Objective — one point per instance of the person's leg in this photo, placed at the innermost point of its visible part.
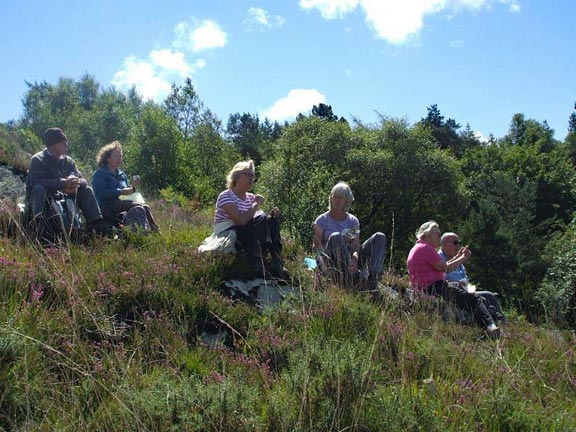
(277, 268)
(153, 225)
(37, 200)
(338, 252)
(372, 257)
(472, 302)
(86, 201)
(252, 238)
(493, 305)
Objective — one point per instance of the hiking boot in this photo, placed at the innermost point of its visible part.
(493, 331)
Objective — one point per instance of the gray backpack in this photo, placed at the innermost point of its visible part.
(136, 219)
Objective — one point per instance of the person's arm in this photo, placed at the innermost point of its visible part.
(75, 173)
(106, 187)
(242, 218)
(461, 257)
(38, 174)
(355, 248)
(318, 241)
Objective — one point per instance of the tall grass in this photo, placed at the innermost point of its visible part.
(108, 336)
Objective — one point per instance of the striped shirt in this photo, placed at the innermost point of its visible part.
(229, 197)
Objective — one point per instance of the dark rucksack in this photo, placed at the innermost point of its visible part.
(136, 219)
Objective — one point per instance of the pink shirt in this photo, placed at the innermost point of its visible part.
(420, 262)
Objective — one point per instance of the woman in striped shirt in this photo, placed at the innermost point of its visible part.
(257, 232)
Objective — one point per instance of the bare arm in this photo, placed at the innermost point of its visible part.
(318, 243)
(355, 247)
(461, 257)
(242, 218)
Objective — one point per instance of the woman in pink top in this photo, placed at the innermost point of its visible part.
(257, 232)
(428, 270)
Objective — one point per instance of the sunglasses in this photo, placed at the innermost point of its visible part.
(455, 242)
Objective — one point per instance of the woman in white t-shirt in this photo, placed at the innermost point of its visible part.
(257, 232)
(337, 242)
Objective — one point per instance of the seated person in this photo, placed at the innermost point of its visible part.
(450, 244)
(53, 175)
(428, 270)
(336, 240)
(110, 182)
(257, 232)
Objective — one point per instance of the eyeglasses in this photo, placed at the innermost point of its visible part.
(455, 242)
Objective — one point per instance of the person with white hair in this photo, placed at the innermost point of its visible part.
(337, 241)
(256, 231)
(428, 270)
(450, 244)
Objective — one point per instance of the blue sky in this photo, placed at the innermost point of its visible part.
(480, 61)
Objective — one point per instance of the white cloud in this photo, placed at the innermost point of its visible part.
(171, 61)
(330, 9)
(199, 35)
(144, 76)
(298, 101)
(154, 75)
(260, 19)
(480, 137)
(397, 21)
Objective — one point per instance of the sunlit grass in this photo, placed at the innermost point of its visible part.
(108, 336)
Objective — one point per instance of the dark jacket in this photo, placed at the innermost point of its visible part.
(108, 186)
(49, 172)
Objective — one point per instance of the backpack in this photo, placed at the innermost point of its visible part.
(136, 219)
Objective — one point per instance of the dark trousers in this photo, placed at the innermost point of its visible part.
(261, 234)
(119, 206)
(458, 296)
(84, 200)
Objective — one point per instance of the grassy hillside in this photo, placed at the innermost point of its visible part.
(109, 337)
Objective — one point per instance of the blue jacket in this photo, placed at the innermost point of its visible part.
(108, 186)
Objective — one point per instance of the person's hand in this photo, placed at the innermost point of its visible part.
(467, 252)
(127, 191)
(275, 212)
(259, 199)
(71, 184)
(353, 266)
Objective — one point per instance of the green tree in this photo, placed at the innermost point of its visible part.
(309, 158)
(90, 116)
(153, 148)
(184, 105)
(400, 181)
(445, 132)
(247, 135)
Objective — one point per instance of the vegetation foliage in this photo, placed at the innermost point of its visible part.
(110, 336)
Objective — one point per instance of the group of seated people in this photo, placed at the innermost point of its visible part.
(53, 175)
(340, 254)
(442, 274)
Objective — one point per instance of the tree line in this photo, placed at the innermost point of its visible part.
(512, 199)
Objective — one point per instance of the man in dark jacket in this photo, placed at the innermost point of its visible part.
(53, 174)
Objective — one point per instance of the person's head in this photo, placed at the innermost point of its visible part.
(430, 233)
(55, 141)
(244, 168)
(341, 190)
(110, 154)
(450, 244)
